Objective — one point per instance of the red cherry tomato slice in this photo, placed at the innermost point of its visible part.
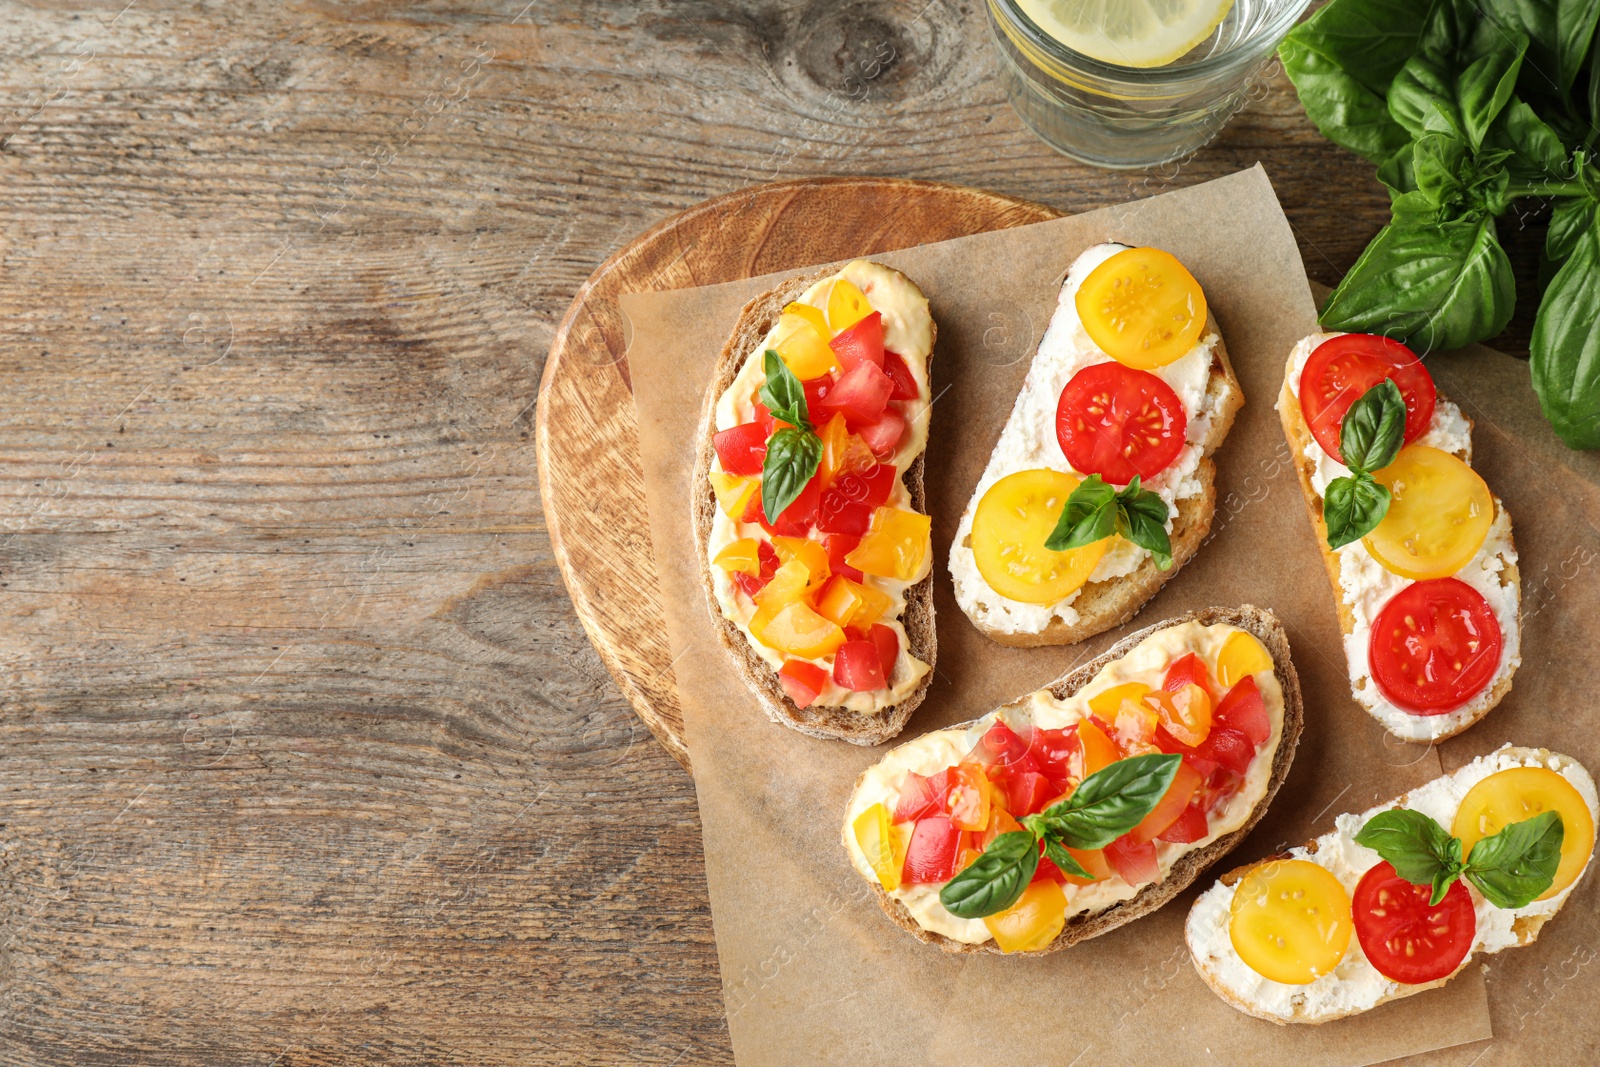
(860, 394)
(1189, 827)
(887, 642)
(863, 341)
(1434, 646)
(921, 797)
(1341, 369)
(754, 583)
(1116, 422)
(1187, 670)
(1405, 938)
(1136, 863)
(934, 852)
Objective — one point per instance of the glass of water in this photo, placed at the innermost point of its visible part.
(1112, 114)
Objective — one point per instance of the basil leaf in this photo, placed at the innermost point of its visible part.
(1142, 519)
(1559, 32)
(1437, 162)
(1352, 507)
(1348, 113)
(1572, 217)
(792, 458)
(1373, 428)
(1422, 100)
(1089, 516)
(782, 392)
(1371, 39)
(1485, 86)
(1514, 866)
(1063, 860)
(995, 879)
(1417, 847)
(1111, 801)
(1566, 344)
(1536, 151)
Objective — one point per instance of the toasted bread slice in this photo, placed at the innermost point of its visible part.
(1264, 625)
(859, 728)
(1524, 927)
(1303, 446)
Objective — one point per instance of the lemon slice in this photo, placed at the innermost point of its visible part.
(1128, 33)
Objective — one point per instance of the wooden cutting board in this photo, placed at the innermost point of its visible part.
(588, 449)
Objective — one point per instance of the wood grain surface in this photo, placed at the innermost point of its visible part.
(307, 759)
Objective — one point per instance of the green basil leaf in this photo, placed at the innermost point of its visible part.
(1373, 428)
(1572, 217)
(1559, 34)
(1484, 87)
(1423, 100)
(1566, 344)
(1371, 39)
(1513, 867)
(1399, 171)
(1416, 846)
(1059, 856)
(792, 458)
(1352, 507)
(1536, 150)
(1111, 801)
(1438, 160)
(1142, 519)
(994, 880)
(1090, 515)
(1348, 113)
(782, 392)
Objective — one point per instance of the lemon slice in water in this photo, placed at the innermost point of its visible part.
(1128, 33)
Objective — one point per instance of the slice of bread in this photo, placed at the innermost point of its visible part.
(1525, 928)
(1298, 434)
(1106, 604)
(1270, 632)
(859, 728)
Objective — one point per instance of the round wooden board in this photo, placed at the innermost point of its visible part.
(586, 436)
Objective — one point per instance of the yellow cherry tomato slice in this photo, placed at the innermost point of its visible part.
(847, 305)
(1438, 517)
(1290, 921)
(1033, 921)
(811, 555)
(1106, 702)
(1143, 308)
(743, 555)
(812, 315)
(1009, 530)
(883, 844)
(1241, 656)
(1519, 793)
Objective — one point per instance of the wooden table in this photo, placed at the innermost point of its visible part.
(306, 759)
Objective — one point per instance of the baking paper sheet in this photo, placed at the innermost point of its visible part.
(813, 972)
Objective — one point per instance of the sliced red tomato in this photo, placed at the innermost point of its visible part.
(1169, 807)
(1187, 828)
(1192, 757)
(1340, 370)
(741, 449)
(887, 642)
(796, 519)
(863, 341)
(1403, 936)
(921, 796)
(1228, 748)
(816, 390)
(934, 851)
(840, 545)
(871, 487)
(860, 394)
(1244, 710)
(883, 436)
(1116, 422)
(1434, 646)
(856, 666)
(802, 681)
(1186, 670)
(905, 386)
(1135, 862)
(754, 583)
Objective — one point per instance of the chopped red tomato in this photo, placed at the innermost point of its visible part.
(1028, 793)
(1187, 828)
(920, 796)
(934, 852)
(1169, 807)
(796, 519)
(802, 681)
(1135, 862)
(816, 389)
(860, 395)
(883, 436)
(1228, 748)
(905, 386)
(1220, 785)
(887, 642)
(1405, 937)
(863, 341)
(840, 545)
(1003, 751)
(1047, 869)
(754, 583)
(1057, 753)
(1244, 710)
(856, 666)
(1189, 669)
(742, 449)
(838, 514)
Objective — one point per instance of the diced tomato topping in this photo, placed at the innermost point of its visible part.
(905, 386)
(1001, 750)
(863, 341)
(1057, 754)
(846, 506)
(754, 583)
(742, 449)
(870, 487)
(883, 436)
(1047, 868)
(934, 852)
(1135, 862)
(1169, 807)
(1169, 744)
(1028, 793)
(1244, 710)
(1188, 828)
(802, 681)
(887, 642)
(1221, 785)
(1228, 748)
(920, 796)
(856, 666)
(796, 519)
(1187, 669)
(860, 395)
(816, 389)
(839, 546)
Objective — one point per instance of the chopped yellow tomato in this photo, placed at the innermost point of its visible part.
(1135, 723)
(1033, 921)
(1241, 656)
(1519, 793)
(1186, 714)
(842, 451)
(1098, 750)
(1106, 702)
(1290, 921)
(847, 305)
(809, 554)
(883, 844)
(894, 546)
(1143, 308)
(1438, 517)
(969, 856)
(1009, 528)
(1000, 822)
(743, 555)
(1092, 860)
(803, 348)
(796, 630)
(734, 492)
(850, 603)
(788, 585)
(968, 801)
(812, 315)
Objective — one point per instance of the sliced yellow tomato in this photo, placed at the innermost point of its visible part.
(1290, 921)
(812, 315)
(743, 555)
(788, 586)
(894, 546)
(1092, 860)
(1000, 821)
(847, 305)
(1142, 308)
(803, 348)
(1186, 714)
(796, 630)
(1106, 702)
(969, 798)
(1134, 726)
(883, 844)
(1519, 793)
(1099, 751)
(810, 554)
(842, 452)
(850, 603)
(734, 492)
(1241, 656)
(1033, 921)
(1437, 519)
(1009, 528)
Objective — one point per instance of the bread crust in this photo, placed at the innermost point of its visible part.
(1264, 625)
(1298, 434)
(858, 728)
(1100, 606)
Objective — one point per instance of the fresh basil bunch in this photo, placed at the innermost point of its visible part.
(1095, 511)
(1511, 868)
(1106, 805)
(1369, 440)
(794, 451)
(1466, 106)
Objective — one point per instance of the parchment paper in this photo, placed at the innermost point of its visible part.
(813, 972)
